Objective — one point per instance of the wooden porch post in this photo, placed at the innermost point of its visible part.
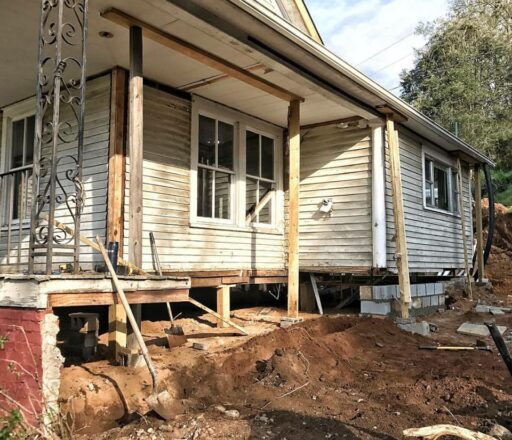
(293, 207)
(116, 179)
(402, 262)
(479, 237)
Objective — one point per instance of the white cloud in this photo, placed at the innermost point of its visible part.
(357, 29)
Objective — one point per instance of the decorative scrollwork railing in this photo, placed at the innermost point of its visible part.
(59, 135)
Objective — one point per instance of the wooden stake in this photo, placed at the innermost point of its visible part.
(117, 330)
(116, 159)
(293, 208)
(402, 262)
(463, 226)
(223, 305)
(478, 215)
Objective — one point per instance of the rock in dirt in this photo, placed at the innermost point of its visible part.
(471, 329)
(500, 432)
(232, 414)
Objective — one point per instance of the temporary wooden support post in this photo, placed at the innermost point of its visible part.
(478, 214)
(135, 142)
(293, 207)
(116, 172)
(463, 226)
(223, 305)
(198, 54)
(402, 263)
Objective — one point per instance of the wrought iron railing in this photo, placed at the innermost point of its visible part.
(15, 206)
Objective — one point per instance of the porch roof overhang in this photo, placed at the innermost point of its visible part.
(250, 24)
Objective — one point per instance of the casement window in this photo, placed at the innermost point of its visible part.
(17, 158)
(236, 179)
(215, 169)
(440, 186)
(260, 181)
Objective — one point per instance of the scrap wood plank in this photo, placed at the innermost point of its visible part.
(211, 312)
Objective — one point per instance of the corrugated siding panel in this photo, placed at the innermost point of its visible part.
(166, 205)
(336, 164)
(434, 239)
(95, 177)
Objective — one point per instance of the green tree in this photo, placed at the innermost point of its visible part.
(462, 78)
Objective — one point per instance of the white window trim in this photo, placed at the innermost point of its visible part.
(242, 122)
(450, 164)
(11, 114)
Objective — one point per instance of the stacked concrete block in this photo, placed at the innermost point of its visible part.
(378, 300)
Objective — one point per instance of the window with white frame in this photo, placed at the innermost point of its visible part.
(260, 183)
(236, 174)
(18, 151)
(215, 168)
(440, 186)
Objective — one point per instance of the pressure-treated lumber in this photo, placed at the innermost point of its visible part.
(216, 315)
(293, 207)
(223, 305)
(463, 227)
(402, 263)
(478, 217)
(436, 431)
(116, 158)
(135, 143)
(117, 330)
(198, 54)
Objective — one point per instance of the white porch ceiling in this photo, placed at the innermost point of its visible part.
(19, 22)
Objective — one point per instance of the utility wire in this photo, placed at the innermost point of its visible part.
(386, 48)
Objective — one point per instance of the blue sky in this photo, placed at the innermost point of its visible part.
(357, 30)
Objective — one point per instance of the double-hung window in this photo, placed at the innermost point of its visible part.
(215, 168)
(17, 170)
(440, 186)
(260, 182)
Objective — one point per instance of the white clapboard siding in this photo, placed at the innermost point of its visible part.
(335, 164)
(434, 239)
(166, 204)
(95, 176)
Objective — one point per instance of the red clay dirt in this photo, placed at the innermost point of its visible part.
(330, 377)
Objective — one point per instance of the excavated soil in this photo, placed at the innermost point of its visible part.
(329, 377)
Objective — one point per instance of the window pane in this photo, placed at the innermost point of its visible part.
(428, 174)
(206, 141)
(204, 192)
(267, 158)
(441, 188)
(226, 135)
(455, 191)
(252, 154)
(428, 194)
(29, 142)
(251, 195)
(222, 195)
(265, 215)
(18, 130)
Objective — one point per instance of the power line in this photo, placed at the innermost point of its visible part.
(392, 63)
(386, 48)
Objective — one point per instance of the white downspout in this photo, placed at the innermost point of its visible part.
(378, 194)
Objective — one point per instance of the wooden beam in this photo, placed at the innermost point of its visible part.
(116, 158)
(110, 298)
(352, 121)
(463, 227)
(117, 330)
(293, 207)
(223, 305)
(402, 262)
(212, 312)
(198, 54)
(478, 217)
(136, 141)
